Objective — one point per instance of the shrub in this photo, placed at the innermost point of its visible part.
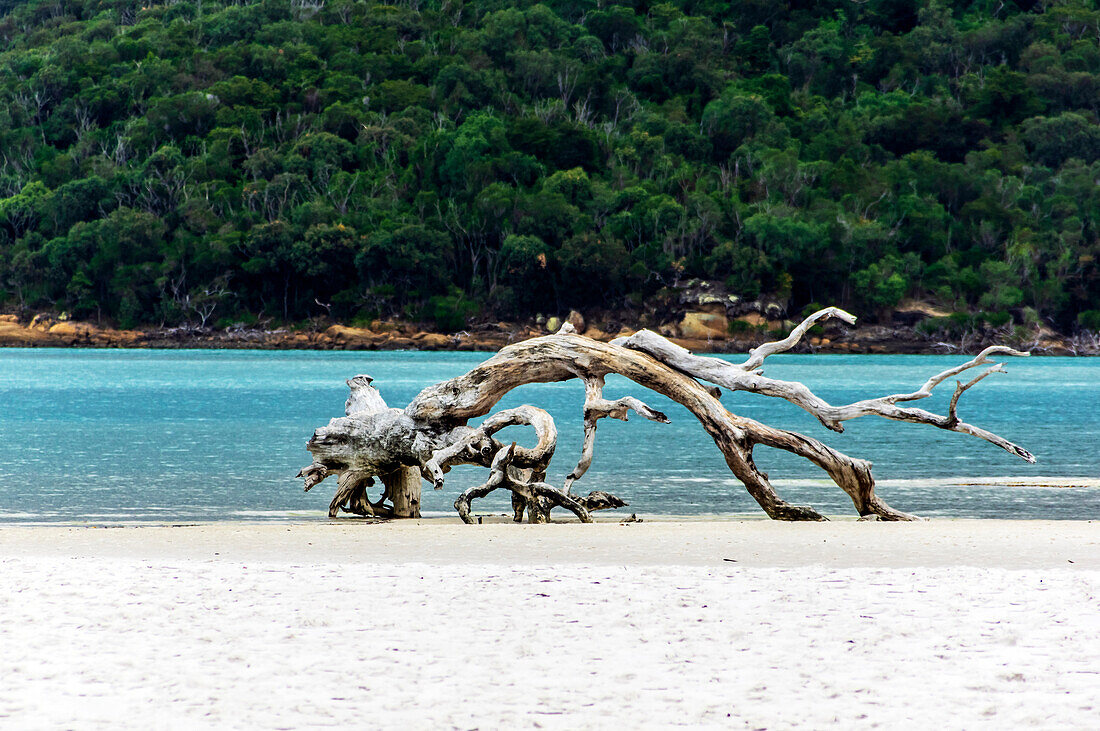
(450, 312)
(996, 319)
(954, 325)
(1089, 320)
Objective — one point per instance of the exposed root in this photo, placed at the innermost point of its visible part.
(537, 498)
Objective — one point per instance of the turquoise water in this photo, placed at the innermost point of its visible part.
(109, 436)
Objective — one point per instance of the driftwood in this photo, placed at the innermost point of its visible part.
(432, 434)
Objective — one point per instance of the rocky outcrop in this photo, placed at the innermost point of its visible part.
(704, 326)
(12, 333)
(753, 319)
(701, 295)
(351, 336)
(698, 330)
(43, 331)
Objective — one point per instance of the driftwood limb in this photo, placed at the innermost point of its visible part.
(762, 351)
(746, 377)
(477, 446)
(597, 407)
(351, 497)
(364, 398)
(432, 433)
(535, 496)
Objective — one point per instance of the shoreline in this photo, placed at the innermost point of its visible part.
(45, 332)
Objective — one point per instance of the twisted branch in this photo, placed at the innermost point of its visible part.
(538, 497)
(597, 407)
(476, 445)
(746, 377)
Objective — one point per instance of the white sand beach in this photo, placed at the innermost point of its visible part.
(433, 624)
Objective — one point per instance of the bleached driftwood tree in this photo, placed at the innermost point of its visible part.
(433, 434)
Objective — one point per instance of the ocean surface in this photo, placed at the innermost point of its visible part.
(121, 436)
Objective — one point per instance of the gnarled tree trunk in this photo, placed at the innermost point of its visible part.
(432, 433)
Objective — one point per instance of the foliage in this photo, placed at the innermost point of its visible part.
(187, 162)
(450, 312)
(1089, 320)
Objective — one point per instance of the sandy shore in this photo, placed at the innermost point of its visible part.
(732, 624)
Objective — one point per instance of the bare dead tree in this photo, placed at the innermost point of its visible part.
(567, 83)
(206, 301)
(85, 122)
(432, 434)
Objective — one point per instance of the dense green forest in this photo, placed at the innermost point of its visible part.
(217, 161)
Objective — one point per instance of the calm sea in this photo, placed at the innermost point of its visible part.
(117, 436)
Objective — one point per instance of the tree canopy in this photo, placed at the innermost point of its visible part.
(359, 159)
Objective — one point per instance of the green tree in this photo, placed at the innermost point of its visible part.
(414, 258)
(1053, 140)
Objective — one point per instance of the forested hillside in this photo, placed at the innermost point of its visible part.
(213, 161)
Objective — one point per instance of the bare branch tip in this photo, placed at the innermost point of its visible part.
(828, 312)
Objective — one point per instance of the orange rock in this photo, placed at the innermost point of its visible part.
(41, 322)
(301, 339)
(350, 335)
(12, 333)
(433, 341)
(66, 330)
(74, 332)
(596, 334)
(703, 326)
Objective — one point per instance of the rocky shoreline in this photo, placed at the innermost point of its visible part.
(693, 332)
